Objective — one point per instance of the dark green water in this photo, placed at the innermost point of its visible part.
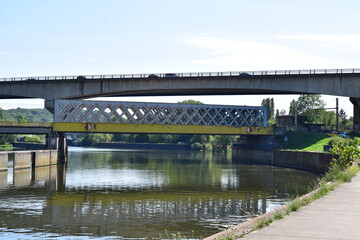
(113, 194)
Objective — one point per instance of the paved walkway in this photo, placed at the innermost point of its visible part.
(334, 216)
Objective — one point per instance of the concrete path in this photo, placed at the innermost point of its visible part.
(334, 216)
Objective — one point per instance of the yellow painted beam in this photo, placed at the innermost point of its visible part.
(159, 128)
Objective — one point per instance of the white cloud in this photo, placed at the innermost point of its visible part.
(248, 55)
(348, 43)
(350, 39)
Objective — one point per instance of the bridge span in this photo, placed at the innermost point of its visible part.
(337, 82)
(133, 117)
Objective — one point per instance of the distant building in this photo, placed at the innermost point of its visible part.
(285, 121)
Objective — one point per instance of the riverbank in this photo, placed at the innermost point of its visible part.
(334, 216)
(294, 227)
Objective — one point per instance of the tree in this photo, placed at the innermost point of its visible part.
(269, 104)
(309, 107)
(21, 118)
(292, 107)
(190, 101)
(1, 114)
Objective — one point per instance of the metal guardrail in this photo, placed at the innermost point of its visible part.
(193, 74)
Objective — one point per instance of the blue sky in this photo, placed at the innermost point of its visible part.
(48, 37)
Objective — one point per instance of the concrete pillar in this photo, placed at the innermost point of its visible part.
(22, 159)
(52, 142)
(4, 161)
(54, 157)
(49, 105)
(356, 103)
(62, 149)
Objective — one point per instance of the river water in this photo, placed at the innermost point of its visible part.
(127, 194)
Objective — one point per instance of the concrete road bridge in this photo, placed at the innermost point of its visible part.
(337, 82)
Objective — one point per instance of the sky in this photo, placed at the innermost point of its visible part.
(84, 37)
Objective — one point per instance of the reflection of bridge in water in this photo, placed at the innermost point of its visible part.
(69, 206)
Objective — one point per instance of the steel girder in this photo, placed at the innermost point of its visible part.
(158, 113)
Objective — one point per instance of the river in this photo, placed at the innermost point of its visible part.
(127, 194)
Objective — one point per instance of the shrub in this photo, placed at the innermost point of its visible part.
(347, 153)
(6, 147)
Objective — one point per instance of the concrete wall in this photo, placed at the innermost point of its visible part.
(23, 159)
(252, 155)
(42, 158)
(4, 159)
(310, 161)
(28, 159)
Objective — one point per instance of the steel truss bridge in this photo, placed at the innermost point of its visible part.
(167, 118)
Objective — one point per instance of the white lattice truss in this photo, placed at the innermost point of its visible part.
(158, 113)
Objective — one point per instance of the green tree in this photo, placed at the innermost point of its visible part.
(270, 106)
(190, 101)
(141, 138)
(292, 107)
(309, 107)
(2, 116)
(7, 139)
(21, 118)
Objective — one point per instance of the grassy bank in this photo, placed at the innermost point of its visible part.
(307, 141)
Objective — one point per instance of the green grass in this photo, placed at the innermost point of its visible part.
(304, 141)
(318, 146)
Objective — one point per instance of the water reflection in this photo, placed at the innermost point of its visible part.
(134, 194)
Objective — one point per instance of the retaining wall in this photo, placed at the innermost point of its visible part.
(28, 159)
(4, 159)
(259, 154)
(310, 161)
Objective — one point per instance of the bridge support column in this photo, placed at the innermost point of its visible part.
(57, 142)
(62, 149)
(356, 103)
(49, 105)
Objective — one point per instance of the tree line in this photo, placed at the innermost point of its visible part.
(310, 109)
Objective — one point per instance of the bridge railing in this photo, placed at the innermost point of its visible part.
(192, 74)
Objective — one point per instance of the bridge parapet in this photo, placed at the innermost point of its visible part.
(191, 74)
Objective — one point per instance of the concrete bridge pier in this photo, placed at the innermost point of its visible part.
(356, 103)
(57, 141)
(254, 149)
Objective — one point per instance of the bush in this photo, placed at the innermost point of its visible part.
(196, 146)
(347, 153)
(335, 140)
(31, 139)
(6, 147)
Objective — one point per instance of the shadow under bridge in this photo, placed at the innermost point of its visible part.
(166, 118)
